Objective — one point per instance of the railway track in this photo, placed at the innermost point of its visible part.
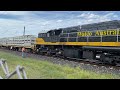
(93, 62)
(86, 64)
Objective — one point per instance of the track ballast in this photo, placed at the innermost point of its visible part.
(92, 65)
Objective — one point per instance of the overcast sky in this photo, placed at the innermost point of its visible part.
(12, 22)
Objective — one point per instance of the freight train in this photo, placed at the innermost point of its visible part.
(99, 41)
(16, 43)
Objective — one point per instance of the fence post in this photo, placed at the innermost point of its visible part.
(17, 71)
(1, 77)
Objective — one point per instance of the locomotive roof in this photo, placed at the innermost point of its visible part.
(84, 26)
(113, 21)
(99, 23)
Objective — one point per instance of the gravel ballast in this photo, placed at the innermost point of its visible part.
(59, 61)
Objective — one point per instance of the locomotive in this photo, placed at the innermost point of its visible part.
(99, 41)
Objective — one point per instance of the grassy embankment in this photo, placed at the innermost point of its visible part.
(37, 69)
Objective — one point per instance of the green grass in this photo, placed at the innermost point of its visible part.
(36, 69)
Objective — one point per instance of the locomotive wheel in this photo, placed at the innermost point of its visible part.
(102, 57)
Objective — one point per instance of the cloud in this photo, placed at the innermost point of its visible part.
(59, 21)
(12, 22)
(94, 18)
(14, 12)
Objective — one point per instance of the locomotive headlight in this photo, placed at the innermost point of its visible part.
(98, 56)
(59, 52)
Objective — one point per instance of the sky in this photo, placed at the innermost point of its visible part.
(12, 22)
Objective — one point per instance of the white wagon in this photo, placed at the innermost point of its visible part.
(27, 41)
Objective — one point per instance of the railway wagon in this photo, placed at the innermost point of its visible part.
(16, 43)
(91, 41)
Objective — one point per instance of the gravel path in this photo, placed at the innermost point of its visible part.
(95, 68)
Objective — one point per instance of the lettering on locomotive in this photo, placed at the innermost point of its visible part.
(84, 33)
(99, 33)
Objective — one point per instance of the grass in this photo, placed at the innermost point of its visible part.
(36, 69)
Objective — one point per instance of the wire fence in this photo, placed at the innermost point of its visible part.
(19, 71)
